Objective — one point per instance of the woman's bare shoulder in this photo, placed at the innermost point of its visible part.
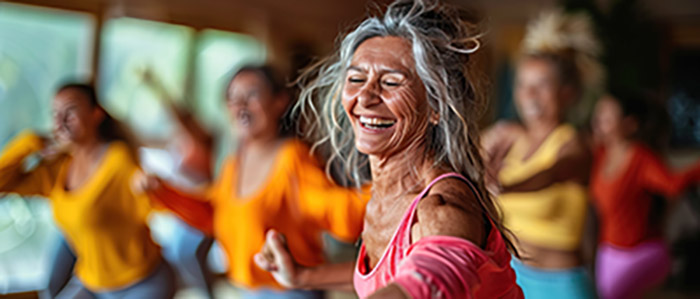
(451, 208)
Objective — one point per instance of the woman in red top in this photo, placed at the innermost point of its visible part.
(632, 257)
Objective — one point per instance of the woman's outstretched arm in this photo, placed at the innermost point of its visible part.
(276, 259)
(192, 208)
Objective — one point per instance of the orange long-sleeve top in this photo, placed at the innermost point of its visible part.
(623, 201)
(297, 200)
(104, 222)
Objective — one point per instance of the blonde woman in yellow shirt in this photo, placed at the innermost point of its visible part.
(539, 167)
(88, 185)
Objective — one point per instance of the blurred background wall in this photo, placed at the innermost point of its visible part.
(193, 47)
(648, 43)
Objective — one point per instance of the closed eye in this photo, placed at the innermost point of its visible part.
(356, 80)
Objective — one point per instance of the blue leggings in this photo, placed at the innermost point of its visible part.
(159, 285)
(274, 294)
(574, 283)
(186, 249)
(61, 269)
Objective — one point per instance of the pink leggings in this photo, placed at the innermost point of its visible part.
(629, 272)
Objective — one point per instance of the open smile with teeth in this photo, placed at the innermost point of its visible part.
(376, 123)
(532, 110)
(244, 118)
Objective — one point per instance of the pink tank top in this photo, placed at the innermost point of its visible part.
(493, 271)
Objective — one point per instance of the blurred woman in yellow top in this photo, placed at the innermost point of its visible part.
(86, 174)
(540, 167)
(271, 182)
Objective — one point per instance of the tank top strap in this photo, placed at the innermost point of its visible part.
(560, 136)
(407, 221)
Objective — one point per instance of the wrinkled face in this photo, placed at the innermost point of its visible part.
(608, 120)
(75, 120)
(384, 98)
(253, 107)
(537, 92)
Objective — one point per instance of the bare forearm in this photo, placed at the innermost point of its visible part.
(392, 291)
(536, 182)
(562, 171)
(337, 277)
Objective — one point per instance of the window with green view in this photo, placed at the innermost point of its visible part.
(39, 49)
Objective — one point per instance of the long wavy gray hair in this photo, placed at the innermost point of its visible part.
(442, 41)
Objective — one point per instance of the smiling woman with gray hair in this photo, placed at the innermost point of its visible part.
(402, 93)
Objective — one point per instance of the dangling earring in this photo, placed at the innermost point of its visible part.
(434, 119)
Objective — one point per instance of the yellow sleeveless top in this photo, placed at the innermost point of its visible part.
(552, 217)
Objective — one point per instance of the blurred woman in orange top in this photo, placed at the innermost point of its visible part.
(271, 182)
